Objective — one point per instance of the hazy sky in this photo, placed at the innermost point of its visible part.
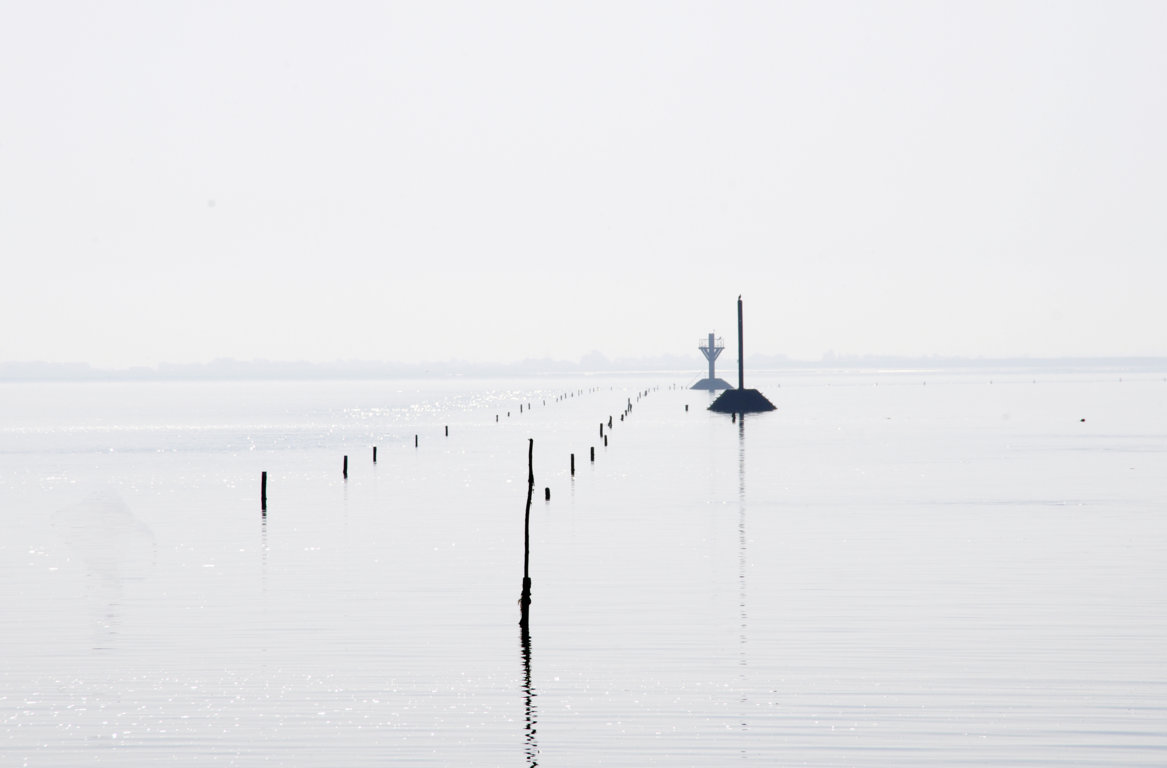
(492, 181)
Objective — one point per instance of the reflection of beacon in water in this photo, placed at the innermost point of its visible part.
(711, 349)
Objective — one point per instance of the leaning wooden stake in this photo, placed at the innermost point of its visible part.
(525, 596)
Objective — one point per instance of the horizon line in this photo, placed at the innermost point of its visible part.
(264, 369)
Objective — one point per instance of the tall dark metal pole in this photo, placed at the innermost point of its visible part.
(741, 366)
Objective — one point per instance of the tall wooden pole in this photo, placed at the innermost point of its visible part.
(525, 595)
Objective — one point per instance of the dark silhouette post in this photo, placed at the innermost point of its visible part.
(525, 595)
(741, 355)
(741, 400)
(263, 492)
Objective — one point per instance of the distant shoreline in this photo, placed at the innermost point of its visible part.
(263, 370)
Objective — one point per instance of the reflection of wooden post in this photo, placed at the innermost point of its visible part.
(525, 596)
(532, 748)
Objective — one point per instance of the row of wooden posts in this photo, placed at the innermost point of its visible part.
(416, 443)
(525, 594)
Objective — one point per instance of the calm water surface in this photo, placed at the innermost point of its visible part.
(907, 568)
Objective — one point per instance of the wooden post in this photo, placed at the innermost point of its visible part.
(447, 430)
(415, 441)
(601, 429)
(593, 450)
(374, 454)
(344, 471)
(525, 595)
(609, 421)
(547, 494)
(573, 465)
(263, 491)
(605, 441)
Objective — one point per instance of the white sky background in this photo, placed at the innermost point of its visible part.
(184, 181)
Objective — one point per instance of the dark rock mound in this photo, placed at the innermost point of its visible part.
(711, 384)
(741, 401)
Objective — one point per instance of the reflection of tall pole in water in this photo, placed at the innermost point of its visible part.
(742, 661)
